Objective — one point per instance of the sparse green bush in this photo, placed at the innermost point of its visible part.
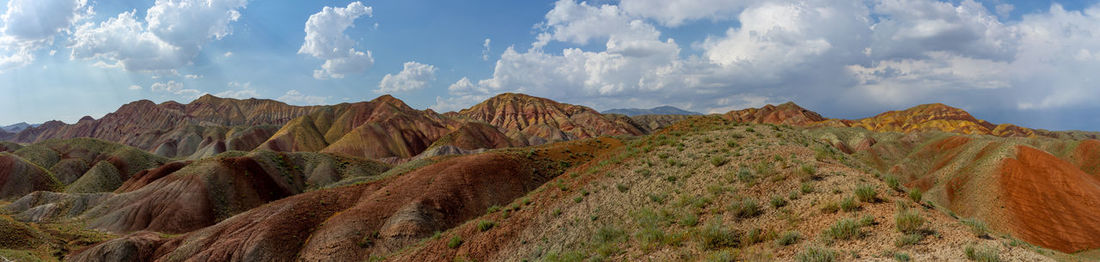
(793, 195)
(892, 182)
(715, 236)
(694, 201)
(721, 256)
(867, 220)
(557, 212)
(849, 204)
(902, 257)
(752, 237)
(830, 208)
(909, 221)
(493, 209)
(609, 234)
(485, 225)
(778, 201)
(908, 239)
(982, 254)
(746, 208)
(916, 195)
(976, 226)
(689, 219)
(745, 176)
(816, 254)
(843, 229)
(622, 188)
(719, 161)
(866, 193)
(807, 188)
(788, 238)
(809, 170)
(454, 242)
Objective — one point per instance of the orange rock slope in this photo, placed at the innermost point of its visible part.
(539, 120)
(928, 117)
(179, 127)
(1052, 202)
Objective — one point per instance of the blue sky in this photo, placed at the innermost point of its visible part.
(1025, 62)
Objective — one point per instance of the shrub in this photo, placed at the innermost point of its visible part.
(908, 239)
(849, 204)
(493, 209)
(844, 229)
(807, 188)
(689, 219)
(778, 201)
(485, 225)
(694, 201)
(830, 208)
(745, 176)
(916, 195)
(816, 254)
(902, 257)
(788, 238)
(867, 220)
(454, 242)
(893, 182)
(983, 254)
(721, 256)
(976, 226)
(809, 170)
(719, 161)
(866, 193)
(609, 234)
(714, 236)
(746, 208)
(909, 221)
(622, 188)
(754, 236)
(793, 195)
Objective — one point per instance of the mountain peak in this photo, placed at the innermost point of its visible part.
(389, 99)
(785, 113)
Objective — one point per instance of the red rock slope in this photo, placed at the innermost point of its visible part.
(539, 120)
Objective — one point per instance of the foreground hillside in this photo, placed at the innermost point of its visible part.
(714, 190)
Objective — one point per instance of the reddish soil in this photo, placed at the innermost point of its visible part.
(948, 144)
(1052, 202)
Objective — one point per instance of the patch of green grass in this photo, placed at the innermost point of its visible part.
(816, 254)
(908, 239)
(746, 208)
(844, 229)
(902, 257)
(793, 195)
(982, 254)
(715, 236)
(849, 204)
(778, 201)
(696, 202)
(689, 219)
(572, 256)
(745, 176)
(492, 209)
(721, 256)
(752, 237)
(455, 242)
(892, 182)
(807, 188)
(485, 225)
(909, 221)
(622, 188)
(830, 208)
(609, 234)
(719, 161)
(976, 226)
(867, 220)
(866, 193)
(788, 238)
(916, 195)
(809, 170)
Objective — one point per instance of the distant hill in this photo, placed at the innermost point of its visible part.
(661, 110)
(15, 128)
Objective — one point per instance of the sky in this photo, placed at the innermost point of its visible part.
(1031, 63)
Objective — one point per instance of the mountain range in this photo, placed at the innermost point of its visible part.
(660, 110)
(519, 177)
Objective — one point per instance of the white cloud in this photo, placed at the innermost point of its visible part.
(413, 77)
(239, 91)
(675, 12)
(172, 35)
(325, 39)
(192, 76)
(297, 98)
(134, 87)
(913, 27)
(29, 25)
(485, 49)
(228, 54)
(177, 89)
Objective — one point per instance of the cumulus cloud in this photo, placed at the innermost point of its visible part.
(176, 89)
(171, 35)
(415, 76)
(675, 12)
(134, 87)
(239, 91)
(29, 25)
(325, 39)
(297, 98)
(485, 49)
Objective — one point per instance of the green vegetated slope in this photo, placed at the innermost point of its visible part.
(710, 189)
